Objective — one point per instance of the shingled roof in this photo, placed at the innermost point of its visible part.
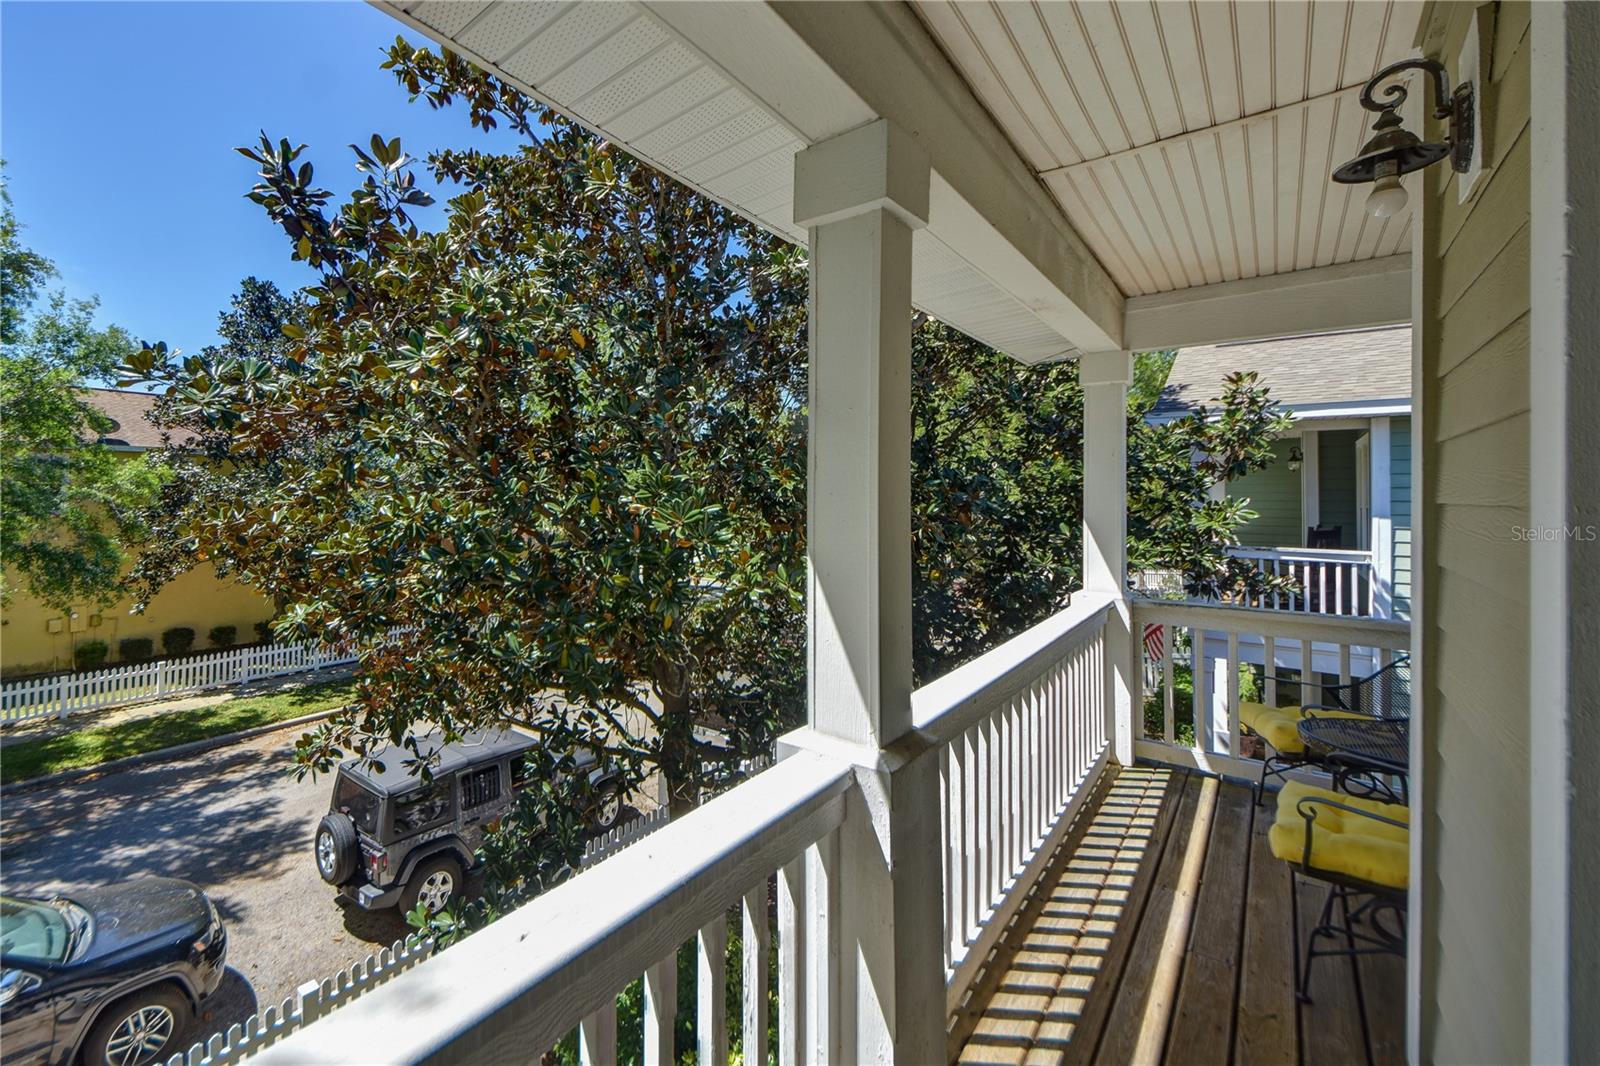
(1316, 372)
(130, 411)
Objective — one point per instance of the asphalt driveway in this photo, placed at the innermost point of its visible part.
(232, 821)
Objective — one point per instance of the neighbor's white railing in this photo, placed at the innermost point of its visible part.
(1327, 580)
(1020, 734)
(1218, 640)
(1023, 732)
(114, 686)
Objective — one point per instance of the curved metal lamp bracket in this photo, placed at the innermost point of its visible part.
(1457, 106)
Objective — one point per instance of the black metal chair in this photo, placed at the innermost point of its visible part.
(1324, 536)
(1384, 693)
(1364, 912)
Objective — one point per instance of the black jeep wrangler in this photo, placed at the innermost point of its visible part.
(390, 838)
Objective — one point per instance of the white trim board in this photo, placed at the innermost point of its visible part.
(1375, 292)
(1336, 414)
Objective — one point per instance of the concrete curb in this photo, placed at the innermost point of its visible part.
(179, 751)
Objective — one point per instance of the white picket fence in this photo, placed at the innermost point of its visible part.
(114, 686)
(311, 1001)
(619, 837)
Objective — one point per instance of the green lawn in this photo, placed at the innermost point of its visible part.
(91, 747)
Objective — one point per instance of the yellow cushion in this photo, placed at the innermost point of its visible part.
(1342, 842)
(1280, 726)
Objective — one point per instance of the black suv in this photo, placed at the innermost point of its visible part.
(108, 976)
(390, 838)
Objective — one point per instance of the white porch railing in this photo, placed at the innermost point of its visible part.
(1328, 580)
(1020, 736)
(1022, 733)
(1220, 639)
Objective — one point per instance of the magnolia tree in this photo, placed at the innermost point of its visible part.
(1174, 523)
(997, 489)
(558, 446)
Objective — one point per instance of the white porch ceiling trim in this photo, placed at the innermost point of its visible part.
(1195, 207)
(1320, 300)
(721, 96)
(862, 61)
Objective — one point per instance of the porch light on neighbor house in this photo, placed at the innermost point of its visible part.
(1395, 151)
(1296, 457)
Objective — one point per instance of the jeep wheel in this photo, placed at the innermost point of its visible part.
(137, 1029)
(435, 884)
(607, 810)
(336, 850)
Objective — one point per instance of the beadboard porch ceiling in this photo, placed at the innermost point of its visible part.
(1190, 143)
(1100, 170)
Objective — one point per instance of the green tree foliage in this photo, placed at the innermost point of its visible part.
(997, 489)
(1173, 522)
(69, 507)
(996, 495)
(562, 439)
(202, 470)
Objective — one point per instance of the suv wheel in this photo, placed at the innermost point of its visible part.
(138, 1029)
(336, 849)
(435, 884)
(607, 810)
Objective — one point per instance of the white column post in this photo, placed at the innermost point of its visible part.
(1310, 483)
(1564, 571)
(1380, 538)
(1105, 377)
(861, 195)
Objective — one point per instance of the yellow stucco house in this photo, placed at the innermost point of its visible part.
(36, 638)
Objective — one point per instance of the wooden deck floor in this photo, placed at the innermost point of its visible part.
(1083, 975)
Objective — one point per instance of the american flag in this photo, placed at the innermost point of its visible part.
(1154, 640)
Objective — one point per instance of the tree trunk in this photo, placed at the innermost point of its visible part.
(679, 774)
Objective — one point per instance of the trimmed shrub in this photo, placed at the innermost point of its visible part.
(223, 636)
(177, 640)
(90, 655)
(135, 649)
(264, 632)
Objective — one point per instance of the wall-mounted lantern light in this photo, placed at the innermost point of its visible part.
(1295, 458)
(1394, 150)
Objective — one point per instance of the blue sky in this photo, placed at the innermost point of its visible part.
(118, 122)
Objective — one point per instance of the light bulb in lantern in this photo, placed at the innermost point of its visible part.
(1388, 195)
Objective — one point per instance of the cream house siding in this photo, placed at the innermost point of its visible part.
(196, 599)
(1473, 376)
(1400, 513)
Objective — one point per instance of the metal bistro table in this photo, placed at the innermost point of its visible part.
(1368, 757)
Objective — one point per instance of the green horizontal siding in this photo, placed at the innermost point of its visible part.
(1274, 494)
(1400, 511)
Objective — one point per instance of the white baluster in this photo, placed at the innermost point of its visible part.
(757, 940)
(711, 992)
(792, 1010)
(597, 1036)
(661, 1012)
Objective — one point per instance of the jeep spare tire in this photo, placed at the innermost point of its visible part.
(336, 849)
